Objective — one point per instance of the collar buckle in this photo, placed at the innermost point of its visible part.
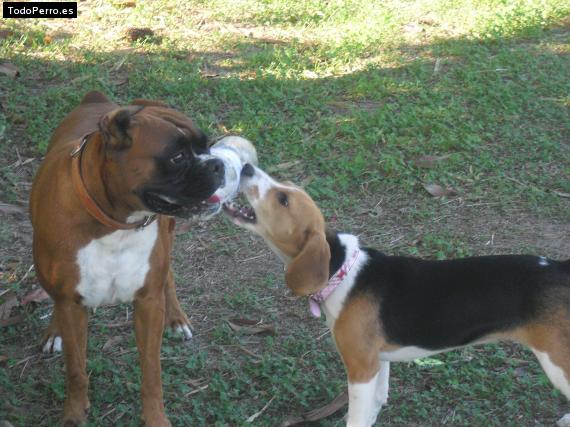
(77, 150)
(147, 220)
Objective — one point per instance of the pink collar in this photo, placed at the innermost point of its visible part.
(335, 281)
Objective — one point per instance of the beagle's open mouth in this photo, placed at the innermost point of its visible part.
(239, 213)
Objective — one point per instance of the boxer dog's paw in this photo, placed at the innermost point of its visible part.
(177, 320)
(52, 342)
(75, 412)
(185, 331)
(156, 420)
(53, 345)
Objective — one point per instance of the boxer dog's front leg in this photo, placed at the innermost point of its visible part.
(71, 319)
(174, 316)
(149, 324)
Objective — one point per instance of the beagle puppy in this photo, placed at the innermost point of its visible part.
(384, 308)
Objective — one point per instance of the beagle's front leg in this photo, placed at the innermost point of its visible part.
(382, 386)
(383, 383)
(362, 407)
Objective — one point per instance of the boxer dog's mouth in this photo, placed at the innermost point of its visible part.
(167, 205)
(240, 214)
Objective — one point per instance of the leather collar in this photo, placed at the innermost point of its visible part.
(91, 205)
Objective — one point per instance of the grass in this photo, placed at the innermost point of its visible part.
(344, 97)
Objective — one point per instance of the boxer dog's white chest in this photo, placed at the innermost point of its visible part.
(115, 266)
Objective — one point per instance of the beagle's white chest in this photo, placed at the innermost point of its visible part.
(113, 268)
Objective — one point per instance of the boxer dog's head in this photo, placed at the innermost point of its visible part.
(159, 159)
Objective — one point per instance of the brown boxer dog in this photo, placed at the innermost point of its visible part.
(101, 206)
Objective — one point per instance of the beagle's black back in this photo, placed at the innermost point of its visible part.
(469, 298)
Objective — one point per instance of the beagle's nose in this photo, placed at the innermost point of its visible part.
(247, 170)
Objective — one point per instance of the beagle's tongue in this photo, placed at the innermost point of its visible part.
(214, 198)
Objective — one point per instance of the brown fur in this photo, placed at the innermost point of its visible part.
(62, 227)
(357, 333)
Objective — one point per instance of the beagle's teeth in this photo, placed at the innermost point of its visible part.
(238, 211)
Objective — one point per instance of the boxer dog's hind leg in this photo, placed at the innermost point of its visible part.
(71, 320)
(174, 316)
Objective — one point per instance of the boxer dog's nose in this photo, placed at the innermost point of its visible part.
(247, 170)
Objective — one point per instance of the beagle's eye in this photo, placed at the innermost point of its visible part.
(282, 199)
(178, 158)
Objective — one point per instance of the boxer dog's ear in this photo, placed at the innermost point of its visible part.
(115, 127)
(201, 144)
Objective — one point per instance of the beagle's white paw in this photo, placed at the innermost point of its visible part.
(564, 421)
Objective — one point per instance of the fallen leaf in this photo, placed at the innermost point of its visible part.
(19, 163)
(125, 4)
(209, 75)
(250, 327)
(37, 295)
(134, 34)
(521, 371)
(8, 209)
(270, 40)
(12, 320)
(340, 107)
(197, 390)
(48, 39)
(258, 413)
(112, 342)
(437, 66)
(428, 161)
(413, 28)
(3, 358)
(8, 300)
(282, 166)
(4, 33)
(183, 227)
(80, 79)
(120, 81)
(562, 194)
(9, 70)
(305, 182)
(428, 362)
(438, 191)
(318, 414)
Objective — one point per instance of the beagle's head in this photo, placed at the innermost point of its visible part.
(291, 224)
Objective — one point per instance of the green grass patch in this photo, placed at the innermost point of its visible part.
(345, 98)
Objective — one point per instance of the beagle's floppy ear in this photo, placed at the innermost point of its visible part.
(308, 272)
(115, 127)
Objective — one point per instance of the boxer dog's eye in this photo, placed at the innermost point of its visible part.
(177, 159)
(282, 199)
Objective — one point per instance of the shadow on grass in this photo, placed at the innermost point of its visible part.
(475, 100)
